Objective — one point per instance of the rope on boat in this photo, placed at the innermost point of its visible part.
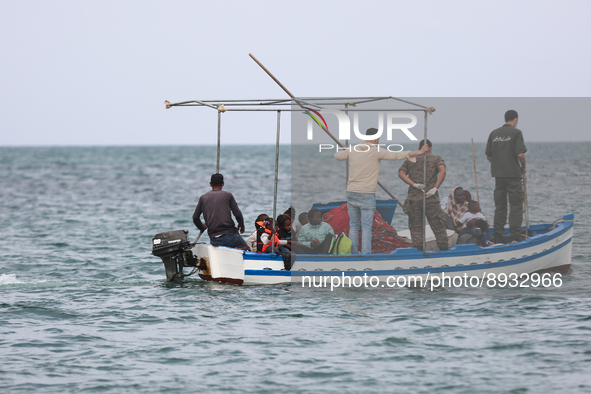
(553, 226)
(221, 108)
(182, 276)
(179, 275)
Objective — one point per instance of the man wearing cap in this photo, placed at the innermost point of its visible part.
(505, 150)
(217, 207)
(364, 168)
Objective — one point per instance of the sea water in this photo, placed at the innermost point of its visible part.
(85, 307)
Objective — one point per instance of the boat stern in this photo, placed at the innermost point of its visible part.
(220, 264)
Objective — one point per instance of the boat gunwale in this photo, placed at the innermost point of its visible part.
(415, 254)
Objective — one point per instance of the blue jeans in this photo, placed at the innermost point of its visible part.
(229, 240)
(361, 209)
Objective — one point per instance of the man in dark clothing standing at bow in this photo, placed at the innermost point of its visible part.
(505, 150)
(217, 207)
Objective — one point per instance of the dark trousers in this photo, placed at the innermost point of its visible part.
(436, 220)
(323, 248)
(511, 188)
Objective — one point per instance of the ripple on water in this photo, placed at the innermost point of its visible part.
(85, 307)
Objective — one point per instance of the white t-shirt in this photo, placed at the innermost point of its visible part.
(251, 241)
(364, 164)
(469, 216)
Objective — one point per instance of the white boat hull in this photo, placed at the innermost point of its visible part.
(546, 251)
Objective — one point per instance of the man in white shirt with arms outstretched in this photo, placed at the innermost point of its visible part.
(364, 168)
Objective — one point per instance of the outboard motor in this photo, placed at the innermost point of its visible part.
(174, 249)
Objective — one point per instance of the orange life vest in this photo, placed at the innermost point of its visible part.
(261, 247)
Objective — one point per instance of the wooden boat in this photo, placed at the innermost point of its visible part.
(548, 249)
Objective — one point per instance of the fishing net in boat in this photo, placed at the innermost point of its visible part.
(384, 237)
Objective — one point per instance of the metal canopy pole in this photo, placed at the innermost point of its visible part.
(276, 181)
(424, 192)
(299, 110)
(347, 162)
(217, 165)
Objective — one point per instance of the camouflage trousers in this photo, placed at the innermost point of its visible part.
(512, 188)
(435, 217)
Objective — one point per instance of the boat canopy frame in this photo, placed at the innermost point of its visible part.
(289, 105)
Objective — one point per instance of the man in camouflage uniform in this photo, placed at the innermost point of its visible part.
(412, 174)
(505, 150)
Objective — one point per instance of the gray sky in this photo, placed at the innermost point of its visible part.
(97, 72)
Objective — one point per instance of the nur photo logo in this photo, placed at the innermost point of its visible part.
(392, 120)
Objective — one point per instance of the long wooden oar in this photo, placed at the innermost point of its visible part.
(475, 177)
(526, 205)
(301, 105)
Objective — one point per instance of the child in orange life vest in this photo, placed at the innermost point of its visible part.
(251, 241)
(264, 237)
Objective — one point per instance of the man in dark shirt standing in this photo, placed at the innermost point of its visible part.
(217, 207)
(505, 150)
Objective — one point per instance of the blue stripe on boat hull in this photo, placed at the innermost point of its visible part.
(267, 272)
(416, 271)
(414, 254)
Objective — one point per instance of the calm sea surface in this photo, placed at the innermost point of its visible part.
(85, 308)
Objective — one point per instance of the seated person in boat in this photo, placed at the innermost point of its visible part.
(303, 219)
(474, 223)
(290, 212)
(217, 207)
(251, 241)
(284, 230)
(316, 236)
(264, 235)
(455, 206)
